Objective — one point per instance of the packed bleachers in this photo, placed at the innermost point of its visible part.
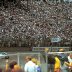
(34, 23)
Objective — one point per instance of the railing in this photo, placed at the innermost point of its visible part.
(54, 49)
(20, 58)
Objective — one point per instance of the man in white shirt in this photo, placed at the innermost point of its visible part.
(29, 66)
(70, 58)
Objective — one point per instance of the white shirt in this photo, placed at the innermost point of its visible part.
(30, 67)
(69, 59)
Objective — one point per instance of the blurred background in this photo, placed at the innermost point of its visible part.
(25, 24)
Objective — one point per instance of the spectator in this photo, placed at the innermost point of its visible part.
(36, 26)
(57, 64)
(70, 57)
(29, 66)
(45, 53)
(37, 64)
(51, 63)
(15, 67)
(69, 64)
(63, 58)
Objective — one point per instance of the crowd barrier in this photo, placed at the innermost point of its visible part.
(20, 58)
(54, 49)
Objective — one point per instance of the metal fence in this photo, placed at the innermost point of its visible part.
(20, 58)
(54, 49)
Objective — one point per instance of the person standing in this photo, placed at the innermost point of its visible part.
(51, 62)
(38, 67)
(63, 58)
(69, 64)
(57, 64)
(14, 67)
(29, 66)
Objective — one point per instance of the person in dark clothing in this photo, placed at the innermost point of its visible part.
(44, 1)
(12, 64)
(63, 58)
(6, 2)
(51, 62)
(2, 2)
(49, 59)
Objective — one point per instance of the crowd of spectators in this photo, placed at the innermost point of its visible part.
(34, 23)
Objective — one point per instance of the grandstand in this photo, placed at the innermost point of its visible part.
(32, 23)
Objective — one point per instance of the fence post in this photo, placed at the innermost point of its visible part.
(18, 57)
(39, 56)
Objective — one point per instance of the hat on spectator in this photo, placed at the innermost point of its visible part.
(46, 50)
(61, 50)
